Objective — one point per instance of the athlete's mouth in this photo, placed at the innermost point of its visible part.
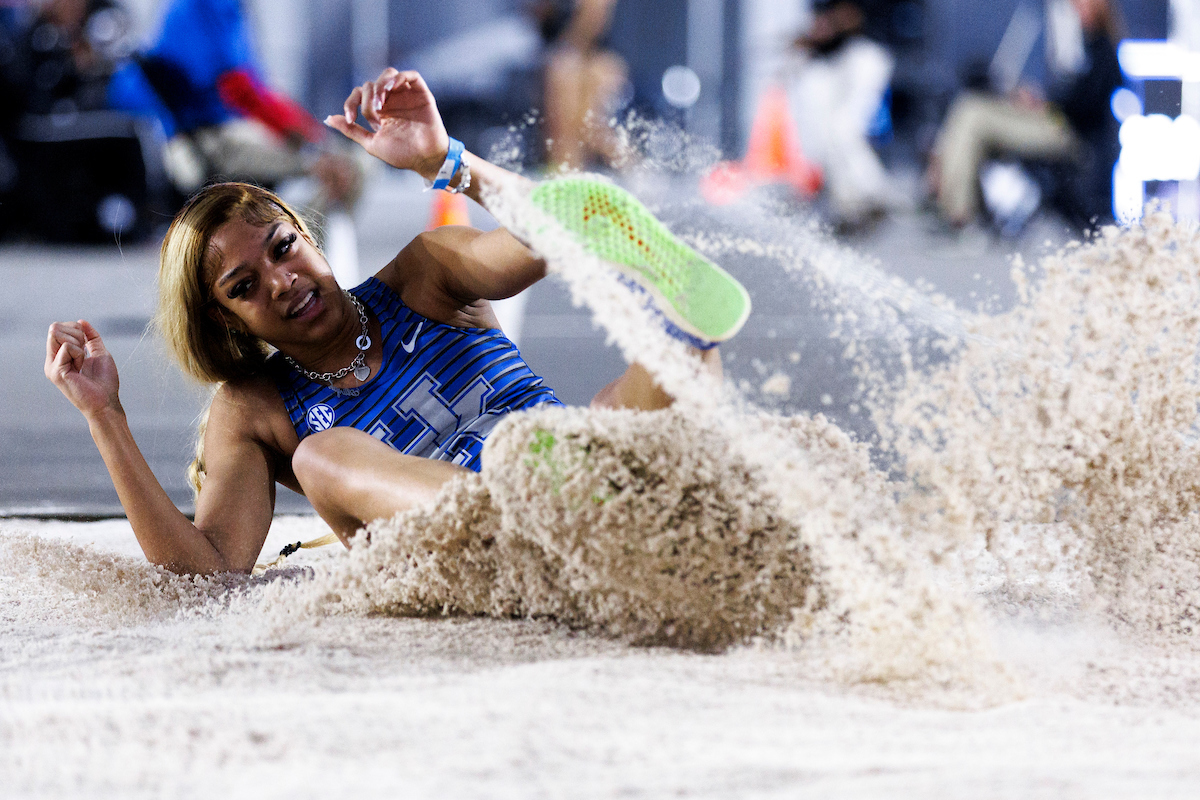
(304, 305)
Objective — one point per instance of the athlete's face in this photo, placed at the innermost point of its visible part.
(273, 283)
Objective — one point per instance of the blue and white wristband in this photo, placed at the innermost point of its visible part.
(450, 167)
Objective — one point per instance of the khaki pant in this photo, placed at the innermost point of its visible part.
(978, 127)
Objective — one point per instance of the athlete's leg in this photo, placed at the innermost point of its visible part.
(699, 302)
(605, 75)
(352, 478)
(566, 106)
(637, 389)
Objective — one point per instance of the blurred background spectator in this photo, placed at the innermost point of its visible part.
(1069, 123)
(838, 86)
(200, 77)
(585, 83)
(73, 171)
(100, 100)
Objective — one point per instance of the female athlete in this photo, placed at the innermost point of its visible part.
(367, 402)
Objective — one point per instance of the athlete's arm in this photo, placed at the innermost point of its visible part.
(78, 363)
(242, 461)
(463, 264)
(467, 265)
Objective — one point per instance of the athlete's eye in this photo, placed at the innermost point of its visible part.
(284, 246)
(239, 289)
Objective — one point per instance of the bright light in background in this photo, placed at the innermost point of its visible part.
(1129, 197)
(681, 86)
(1155, 59)
(1157, 148)
(1125, 104)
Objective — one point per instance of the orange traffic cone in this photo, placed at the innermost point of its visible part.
(448, 209)
(772, 154)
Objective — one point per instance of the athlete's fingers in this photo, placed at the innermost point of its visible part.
(353, 132)
(412, 78)
(62, 332)
(63, 363)
(383, 88)
(72, 327)
(388, 74)
(350, 107)
(72, 339)
(55, 360)
(94, 344)
(367, 106)
(76, 355)
(385, 83)
(413, 82)
(51, 343)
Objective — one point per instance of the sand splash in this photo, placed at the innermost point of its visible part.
(70, 582)
(1064, 432)
(709, 525)
(1049, 460)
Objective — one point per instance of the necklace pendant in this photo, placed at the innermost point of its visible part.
(361, 373)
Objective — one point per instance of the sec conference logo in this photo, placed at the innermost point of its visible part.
(320, 418)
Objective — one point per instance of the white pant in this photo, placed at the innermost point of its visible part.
(834, 99)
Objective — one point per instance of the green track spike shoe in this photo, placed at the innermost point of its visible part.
(699, 302)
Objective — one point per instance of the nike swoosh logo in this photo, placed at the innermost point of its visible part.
(411, 343)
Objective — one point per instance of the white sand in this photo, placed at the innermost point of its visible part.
(871, 645)
(385, 707)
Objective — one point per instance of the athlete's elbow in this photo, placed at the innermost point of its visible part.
(198, 566)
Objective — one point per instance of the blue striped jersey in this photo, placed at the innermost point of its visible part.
(438, 393)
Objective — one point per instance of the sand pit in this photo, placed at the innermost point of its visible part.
(712, 601)
(204, 705)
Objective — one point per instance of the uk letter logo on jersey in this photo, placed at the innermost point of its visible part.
(447, 426)
(320, 418)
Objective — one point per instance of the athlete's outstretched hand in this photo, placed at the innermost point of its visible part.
(80, 366)
(406, 128)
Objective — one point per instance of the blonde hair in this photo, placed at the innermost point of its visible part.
(203, 345)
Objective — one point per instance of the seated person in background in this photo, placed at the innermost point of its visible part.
(583, 80)
(59, 59)
(837, 84)
(1073, 125)
(61, 153)
(201, 77)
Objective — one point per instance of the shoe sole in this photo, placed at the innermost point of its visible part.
(700, 303)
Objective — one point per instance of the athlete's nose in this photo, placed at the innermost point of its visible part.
(281, 279)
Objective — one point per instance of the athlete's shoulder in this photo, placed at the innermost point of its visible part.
(252, 408)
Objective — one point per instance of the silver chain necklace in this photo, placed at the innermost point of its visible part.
(358, 366)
